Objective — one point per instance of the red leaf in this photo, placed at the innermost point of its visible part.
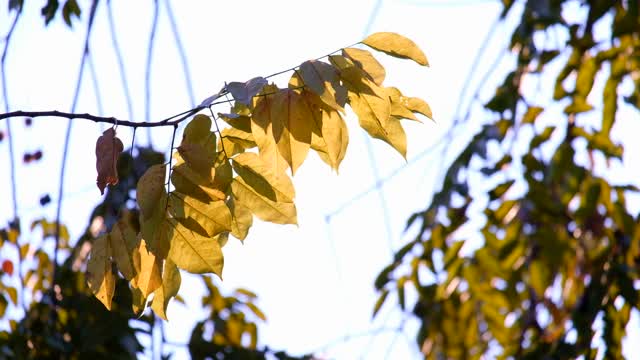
(7, 267)
(108, 148)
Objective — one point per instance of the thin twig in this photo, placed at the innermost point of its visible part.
(133, 142)
(85, 53)
(147, 80)
(12, 164)
(173, 139)
(215, 121)
(118, 53)
(181, 52)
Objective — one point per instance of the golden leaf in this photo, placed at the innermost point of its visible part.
(260, 177)
(322, 79)
(262, 131)
(398, 107)
(365, 60)
(214, 217)
(242, 219)
(170, 285)
(417, 105)
(336, 137)
(396, 45)
(193, 252)
(150, 190)
(148, 266)
(263, 207)
(100, 276)
(124, 241)
(108, 148)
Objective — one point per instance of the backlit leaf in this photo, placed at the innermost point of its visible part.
(262, 130)
(323, 80)
(365, 60)
(418, 105)
(148, 267)
(100, 277)
(124, 241)
(150, 190)
(396, 45)
(197, 130)
(170, 285)
(108, 148)
(193, 252)
(242, 219)
(260, 177)
(263, 207)
(244, 92)
(398, 107)
(214, 217)
(334, 135)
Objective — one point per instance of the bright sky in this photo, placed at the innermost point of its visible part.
(315, 281)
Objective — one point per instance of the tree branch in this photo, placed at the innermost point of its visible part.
(12, 164)
(173, 120)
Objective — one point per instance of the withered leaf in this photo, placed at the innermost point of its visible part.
(108, 148)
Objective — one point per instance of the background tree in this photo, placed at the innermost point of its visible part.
(531, 244)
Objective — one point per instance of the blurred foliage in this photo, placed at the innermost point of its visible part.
(559, 249)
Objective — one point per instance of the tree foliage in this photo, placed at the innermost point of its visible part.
(559, 248)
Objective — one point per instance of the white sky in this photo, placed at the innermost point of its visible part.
(315, 281)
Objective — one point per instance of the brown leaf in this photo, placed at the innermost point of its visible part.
(108, 148)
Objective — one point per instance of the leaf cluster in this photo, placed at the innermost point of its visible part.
(221, 179)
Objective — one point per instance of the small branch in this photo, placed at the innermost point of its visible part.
(65, 151)
(118, 53)
(12, 164)
(147, 79)
(173, 120)
(181, 52)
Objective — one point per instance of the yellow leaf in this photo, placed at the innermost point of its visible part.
(124, 241)
(242, 219)
(396, 136)
(235, 141)
(222, 238)
(197, 131)
(365, 60)
(396, 45)
(258, 175)
(100, 277)
(262, 131)
(330, 136)
(368, 100)
(193, 252)
(263, 207)
(323, 80)
(213, 217)
(398, 107)
(282, 129)
(148, 266)
(418, 105)
(156, 233)
(203, 187)
(198, 157)
(170, 285)
(150, 190)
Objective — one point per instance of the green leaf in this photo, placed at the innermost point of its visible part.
(197, 130)
(193, 252)
(100, 277)
(365, 60)
(170, 285)
(380, 301)
(396, 45)
(532, 114)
